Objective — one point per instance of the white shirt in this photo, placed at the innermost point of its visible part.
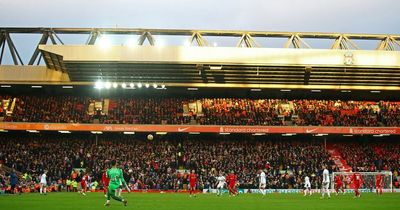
(221, 179)
(43, 179)
(263, 178)
(325, 176)
(307, 179)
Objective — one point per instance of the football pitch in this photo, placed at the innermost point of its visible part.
(145, 201)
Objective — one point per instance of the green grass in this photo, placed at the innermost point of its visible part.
(144, 201)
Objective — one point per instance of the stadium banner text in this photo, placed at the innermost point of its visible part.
(200, 128)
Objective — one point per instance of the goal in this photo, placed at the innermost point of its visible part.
(368, 183)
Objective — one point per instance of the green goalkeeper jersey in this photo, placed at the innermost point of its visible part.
(116, 177)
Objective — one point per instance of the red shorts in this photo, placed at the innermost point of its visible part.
(356, 186)
(83, 184)
(192, 185)
(378, 185)
(232, 185)
(339, 184)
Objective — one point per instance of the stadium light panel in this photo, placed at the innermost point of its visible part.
(161, 133)
(163, 86)
(147, 85)
(36, 86)
(345, 91)
(316, 91)
(96, 132)
(99, 85)
(193, 89)
(4, 131)
(194, 133)
(64, 131)
(224, 133)
(348, 135)
(129, 132)
(5, 86)
(67, 87)
(286, 90)
(33, 131)
(321, 134)
(132, 85)
(375, 91)
(123, 85)
(140, 85)
(115, 85)
(258, 134)
(104, 42)
(155, 85)
(288, 134)
(215, 67)
(107, 85)
(255, 90)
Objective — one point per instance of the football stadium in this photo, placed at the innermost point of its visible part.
(160, 118)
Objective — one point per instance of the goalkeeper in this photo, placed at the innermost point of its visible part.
(115, 175)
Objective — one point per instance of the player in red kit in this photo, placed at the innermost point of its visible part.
(106, 181)
(357, 181)
(84, 183)
(338, 184)
(231, 180)
(379, 184)
(192, 183)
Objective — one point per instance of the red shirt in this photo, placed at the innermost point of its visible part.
(105, 179)
(356, 178)
(192, 178)
(84, 179)
(379, 179)
(231, 179)
(338, 180)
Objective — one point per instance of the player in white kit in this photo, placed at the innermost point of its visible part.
(220, 184)
(262, 182)
(307, 186)
(325, 182)
(43, 183)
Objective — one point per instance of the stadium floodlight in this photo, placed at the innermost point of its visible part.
(155, 85)
(255, 89)
(288, 134)
(36, 86)
(140, 85)
(286, 90)
(115, 85)
(193, 89)
(64, 131)
(215, 67)
(258, 134)
(129, 132)
(99, 85)
(104, 42)
(33, 131)
(4, 131)
(96, 132)
(161, 133)
(224, 133)
(316, 91)
(194, 133)
(375, 91)
(5, 86)
(163, 86)
(345, 91)
(67, 87)
(147, 85)
(348, 135)
(132, 85)
(123, 85)
(321, 134)
(107, 85)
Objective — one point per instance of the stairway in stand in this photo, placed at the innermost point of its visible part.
(337, 158)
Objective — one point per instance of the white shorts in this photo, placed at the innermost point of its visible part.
(220, 185)
(262, 185)
(43, 183)
(307, 185)
(325, 185)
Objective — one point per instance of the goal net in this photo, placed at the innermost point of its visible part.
(369, 180)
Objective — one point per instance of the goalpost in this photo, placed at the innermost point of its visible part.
(369, 180)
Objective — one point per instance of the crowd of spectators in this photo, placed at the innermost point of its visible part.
(207, 111)
(161, 163)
